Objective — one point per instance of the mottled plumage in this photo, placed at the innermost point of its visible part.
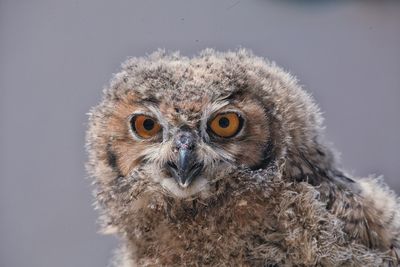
(220, 159)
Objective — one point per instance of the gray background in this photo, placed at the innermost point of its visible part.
(56, 56)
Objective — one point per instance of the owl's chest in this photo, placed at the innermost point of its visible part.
(208, 235)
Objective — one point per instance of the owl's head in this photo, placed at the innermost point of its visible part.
(179, 124)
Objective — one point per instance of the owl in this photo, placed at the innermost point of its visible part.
(220, 160)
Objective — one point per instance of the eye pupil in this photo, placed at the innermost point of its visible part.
(148, 124)
(223, 122)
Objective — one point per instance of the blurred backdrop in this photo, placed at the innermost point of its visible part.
(56, 56)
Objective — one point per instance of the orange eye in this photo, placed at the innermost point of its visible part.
(145, 126)
(226, 124)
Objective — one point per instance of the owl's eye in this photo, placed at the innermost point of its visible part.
(226, 124)
(145, 126)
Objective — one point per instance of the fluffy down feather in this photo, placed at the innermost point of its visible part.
(272, 196)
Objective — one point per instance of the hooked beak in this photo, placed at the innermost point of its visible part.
(186, 167)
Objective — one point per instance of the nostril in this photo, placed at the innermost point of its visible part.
(185, 140)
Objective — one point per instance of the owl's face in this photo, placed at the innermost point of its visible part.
(185, 144)
(181, 123)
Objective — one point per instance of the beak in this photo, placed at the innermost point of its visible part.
(186, 168)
